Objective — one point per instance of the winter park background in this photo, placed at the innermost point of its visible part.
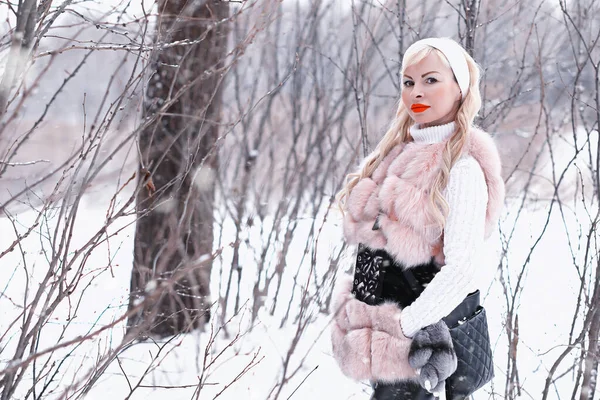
(290, 94)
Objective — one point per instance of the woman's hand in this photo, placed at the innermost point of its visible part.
(432, 355)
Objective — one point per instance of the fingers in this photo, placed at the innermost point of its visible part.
(439, 367)
(444, 363)
(431, 339)
(428, 378)
(441, 387)
(432, 356)
(419, 357)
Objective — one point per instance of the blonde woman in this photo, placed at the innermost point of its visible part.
(419, 207)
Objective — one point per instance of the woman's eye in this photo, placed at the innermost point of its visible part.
(431, 80)
(408, 83)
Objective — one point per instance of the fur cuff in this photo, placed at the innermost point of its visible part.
(367, 341)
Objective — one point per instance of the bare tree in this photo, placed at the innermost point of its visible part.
(178, 163)
(43, 301)
(22, 41)
(290, 100)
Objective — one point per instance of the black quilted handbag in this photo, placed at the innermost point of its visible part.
(471, 341)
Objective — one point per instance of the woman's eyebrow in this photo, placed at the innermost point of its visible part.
(426, 73)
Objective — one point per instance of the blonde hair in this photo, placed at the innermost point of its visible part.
(398, 132)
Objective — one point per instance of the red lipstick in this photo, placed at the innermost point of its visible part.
(419, 108)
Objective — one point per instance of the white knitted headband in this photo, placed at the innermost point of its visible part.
(454, 54)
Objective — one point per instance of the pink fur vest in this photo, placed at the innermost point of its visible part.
(398, 191)
(367, 341)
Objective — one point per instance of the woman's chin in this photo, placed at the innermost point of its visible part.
(421, 120)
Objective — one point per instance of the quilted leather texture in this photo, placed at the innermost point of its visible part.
(473, 350)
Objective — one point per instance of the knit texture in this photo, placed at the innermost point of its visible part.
(466, 194)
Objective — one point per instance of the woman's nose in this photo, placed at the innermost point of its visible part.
(417, 91)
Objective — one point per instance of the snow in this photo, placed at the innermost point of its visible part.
(204, 177)
(105, 278)
(248, 362)
(245, 357)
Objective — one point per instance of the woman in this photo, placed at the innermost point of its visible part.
(423, 201)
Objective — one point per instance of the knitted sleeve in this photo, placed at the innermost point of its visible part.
(467, 198)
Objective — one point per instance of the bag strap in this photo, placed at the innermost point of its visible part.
(412, 281)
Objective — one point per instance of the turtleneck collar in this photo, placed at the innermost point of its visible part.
(432, 134)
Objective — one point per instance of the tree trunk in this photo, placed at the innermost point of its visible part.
(174, 232)
(590, 373)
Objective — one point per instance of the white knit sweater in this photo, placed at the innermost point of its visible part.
(467, 197)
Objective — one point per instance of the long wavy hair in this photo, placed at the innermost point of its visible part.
(398, 132)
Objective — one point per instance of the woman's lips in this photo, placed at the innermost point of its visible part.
(419, 108)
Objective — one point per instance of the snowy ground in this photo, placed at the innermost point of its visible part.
(546, 308)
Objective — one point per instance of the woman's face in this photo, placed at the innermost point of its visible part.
(429, 92)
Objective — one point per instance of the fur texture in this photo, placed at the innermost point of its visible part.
(367, 341)
(398, 190)
(432, 354)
